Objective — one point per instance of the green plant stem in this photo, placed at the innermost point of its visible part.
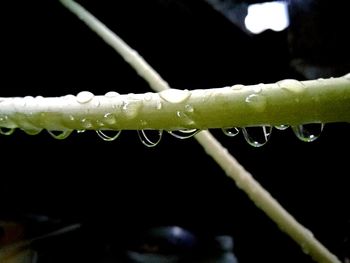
(287, 102)
(243, 179)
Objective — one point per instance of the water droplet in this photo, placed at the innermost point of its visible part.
(258, 88)
(112, 94)
(185, 118)
(308, 132)
(292, 85)
(131, 107)
(189, 108)
(143, 123)
(150, 138)
(305, 248)
(148, 96)
(60, 135)
(99, 123)
(109, 118)
(184, 134)
(69, 97)
(80, 131)
(32, 131)
(86, 123)
(6, 131)
(237, 87)
(84, 97)
(159, 105)
(175, 95)
(282, 127)
(257, 136)
(106, 137)
(256, 101)
(231, 132)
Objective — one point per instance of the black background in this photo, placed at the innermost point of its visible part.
(121, 186)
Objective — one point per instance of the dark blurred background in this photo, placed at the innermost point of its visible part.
(118, 188)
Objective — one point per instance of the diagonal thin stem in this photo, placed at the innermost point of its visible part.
(233, 169)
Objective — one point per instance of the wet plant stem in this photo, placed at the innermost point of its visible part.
(288, 102)
(281, 103)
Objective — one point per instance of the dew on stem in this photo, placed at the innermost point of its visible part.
(6, 131)
(282, 127)
(84, 97)
(109, 118)
(231, 132)
(150, 138)
(257, 136)
(184, 134)
(112, 94)
(256, 101)
(106, 136)
(60, 135)
(291, 85)
(308, 132)
(175, 95)
(32, 131)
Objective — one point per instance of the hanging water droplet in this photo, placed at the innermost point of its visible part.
(305, 248)
(84, 97)
(292, 85)
(6, 131)
(112, 94)
(60, 135)
(257, 136)
(256, 101)
(282, 127)
(184, 134)
(80, 131)
(150, 138)
(32, 131)
(104, 135)
(308, 132)
(109, 118)
(231, 132)
(175, 95)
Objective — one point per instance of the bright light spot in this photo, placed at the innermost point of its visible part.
(269, 15)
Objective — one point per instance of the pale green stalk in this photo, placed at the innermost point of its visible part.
(272, 104)
(287, 102)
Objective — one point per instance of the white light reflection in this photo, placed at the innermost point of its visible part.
(269, 15)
